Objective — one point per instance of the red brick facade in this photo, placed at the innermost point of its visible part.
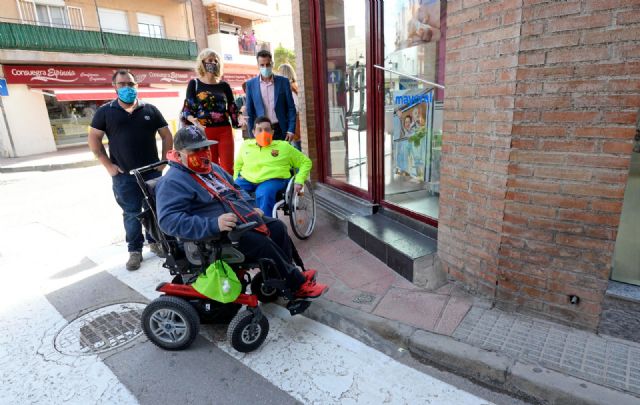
(541, 106)
(213, 21)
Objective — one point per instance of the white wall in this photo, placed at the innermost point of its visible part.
(227, 47)
(5, 142)
(28, 121)
(170, 107)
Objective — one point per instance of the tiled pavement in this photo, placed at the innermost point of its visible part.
(359, 280)
(606, 361)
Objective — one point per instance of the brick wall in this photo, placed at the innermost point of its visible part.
(481, 65)
(304, 70)
(577, 98)
(557, 110)
(200, 23)
(213, 21)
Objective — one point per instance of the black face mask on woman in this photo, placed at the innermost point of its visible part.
(211, 67)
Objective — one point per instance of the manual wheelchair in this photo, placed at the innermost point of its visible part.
(172, 321)
(299, 207)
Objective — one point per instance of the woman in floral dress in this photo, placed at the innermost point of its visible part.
(210, 104)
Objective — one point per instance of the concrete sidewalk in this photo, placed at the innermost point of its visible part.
(535, 359)
(68, 158)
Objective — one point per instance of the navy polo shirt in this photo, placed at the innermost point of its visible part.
(132, 137)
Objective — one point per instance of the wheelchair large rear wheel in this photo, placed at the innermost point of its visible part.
(302, 209)
(246, 333)
(170, 323)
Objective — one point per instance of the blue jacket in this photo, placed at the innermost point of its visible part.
(284, 107)
(185, 209)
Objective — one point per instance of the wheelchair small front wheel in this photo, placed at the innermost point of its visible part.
(246, 332)
(302, 211)
(265, 294)
(170, 323)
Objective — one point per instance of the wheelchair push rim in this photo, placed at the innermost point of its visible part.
(302, 211)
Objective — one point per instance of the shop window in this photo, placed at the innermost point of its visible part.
(413, 49)
(113, 21)
(70, 120)
(150, 25)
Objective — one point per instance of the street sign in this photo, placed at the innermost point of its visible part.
(4, 91)
(335, 76)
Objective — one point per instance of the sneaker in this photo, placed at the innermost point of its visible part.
(311, 290)
(134, 261)
(156, 249)
(310, 275)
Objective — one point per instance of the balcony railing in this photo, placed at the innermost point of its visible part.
(52, 39)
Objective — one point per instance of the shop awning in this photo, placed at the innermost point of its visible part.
(101, 93)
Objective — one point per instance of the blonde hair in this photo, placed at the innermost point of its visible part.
(287, 71)
(206, 54)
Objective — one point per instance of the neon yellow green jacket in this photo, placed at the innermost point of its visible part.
(257, 164)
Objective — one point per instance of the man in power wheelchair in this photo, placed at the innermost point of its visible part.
(264, 166)
(206, 217)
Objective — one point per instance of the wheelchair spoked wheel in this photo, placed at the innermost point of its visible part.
(170, 323)
(264, 294)
(247, 331)
(302, 211)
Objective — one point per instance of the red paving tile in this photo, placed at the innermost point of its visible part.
(342, 294)
(416, 308)
(337, 251)
(362, 270)
(454, 312)
(402, 282)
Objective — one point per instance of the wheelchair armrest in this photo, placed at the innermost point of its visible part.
(238, 231)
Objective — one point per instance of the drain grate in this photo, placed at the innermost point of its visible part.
(101, 330)
(364, 298)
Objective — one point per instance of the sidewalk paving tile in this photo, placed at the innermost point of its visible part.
(363, 270)
(344, 295)
(416, 308)
(453, 314)
(582, 354)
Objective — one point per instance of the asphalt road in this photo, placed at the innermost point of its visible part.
(62, 256)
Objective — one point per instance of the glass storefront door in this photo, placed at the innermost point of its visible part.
(344, 31)
(413, 58)
(626, 258)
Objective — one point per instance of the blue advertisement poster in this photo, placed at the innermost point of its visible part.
(412, 132)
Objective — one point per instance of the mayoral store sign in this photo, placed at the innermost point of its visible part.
(60, 75)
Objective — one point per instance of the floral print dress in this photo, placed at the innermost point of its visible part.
(213, 105)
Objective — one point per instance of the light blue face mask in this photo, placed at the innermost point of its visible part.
(265, 71)
(127, 94)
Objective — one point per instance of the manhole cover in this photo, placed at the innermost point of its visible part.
(101, 330)
(364, 298)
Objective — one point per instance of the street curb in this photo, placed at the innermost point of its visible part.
(532, 382)
(49, 167)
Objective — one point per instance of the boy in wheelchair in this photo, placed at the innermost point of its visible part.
(265, 166)
(198, 200)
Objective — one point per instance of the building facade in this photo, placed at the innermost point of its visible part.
(58, 57)
(508, 125)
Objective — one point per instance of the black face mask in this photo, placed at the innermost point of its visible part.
(211, 67)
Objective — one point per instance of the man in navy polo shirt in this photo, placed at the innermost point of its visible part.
(131, 126)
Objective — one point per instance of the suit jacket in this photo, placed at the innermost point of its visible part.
(285, 109)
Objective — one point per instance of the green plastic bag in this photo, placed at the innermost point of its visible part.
(219, 282)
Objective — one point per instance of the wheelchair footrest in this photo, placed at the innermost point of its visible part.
(298, 306)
